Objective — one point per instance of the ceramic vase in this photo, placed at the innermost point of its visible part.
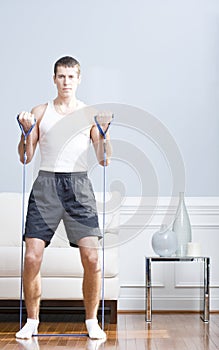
(182, 227)
(164, 242)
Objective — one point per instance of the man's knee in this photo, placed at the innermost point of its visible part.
(32, 262)
(31, 258)
(34, 253)
(90, 261)
(89, 254)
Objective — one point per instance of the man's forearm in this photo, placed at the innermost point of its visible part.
(26, 148)
(104, 146)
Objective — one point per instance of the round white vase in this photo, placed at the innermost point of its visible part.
(164, 242)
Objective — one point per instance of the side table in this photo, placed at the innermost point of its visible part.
(148, 285)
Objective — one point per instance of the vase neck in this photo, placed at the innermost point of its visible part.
(181, 197)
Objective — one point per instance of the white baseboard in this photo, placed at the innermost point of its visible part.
(166, 304)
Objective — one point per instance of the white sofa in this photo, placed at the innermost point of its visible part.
(61, 268)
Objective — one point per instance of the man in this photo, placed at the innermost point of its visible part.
(62, 190)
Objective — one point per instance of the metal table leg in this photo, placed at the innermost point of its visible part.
(148, 290)
(205, 316)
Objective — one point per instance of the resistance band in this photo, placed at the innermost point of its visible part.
(61, 335)
(25, 135)
(103, 133)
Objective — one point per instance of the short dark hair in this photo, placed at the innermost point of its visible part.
(67, 61)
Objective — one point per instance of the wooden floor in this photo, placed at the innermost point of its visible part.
(167, 332)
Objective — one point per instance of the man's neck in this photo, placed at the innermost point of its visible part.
(66, 101)
(65, 105)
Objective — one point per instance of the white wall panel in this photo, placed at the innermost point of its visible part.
(176, 286)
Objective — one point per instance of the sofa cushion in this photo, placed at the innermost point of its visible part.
(61, 267)
(59, 258)
(57, 262)
(57, 288)
(10, 218)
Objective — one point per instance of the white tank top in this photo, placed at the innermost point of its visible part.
(64, 140)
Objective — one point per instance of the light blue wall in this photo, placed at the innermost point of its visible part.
(161, 56)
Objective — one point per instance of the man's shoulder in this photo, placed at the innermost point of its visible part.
(39, 110)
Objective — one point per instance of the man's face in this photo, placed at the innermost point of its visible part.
(67, 80)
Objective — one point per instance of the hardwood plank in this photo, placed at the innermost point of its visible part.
(167, 331)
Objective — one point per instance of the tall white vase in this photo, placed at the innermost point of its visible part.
(182, 227)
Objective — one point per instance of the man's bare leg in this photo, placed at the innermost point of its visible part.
(32, 285)
(91, 284)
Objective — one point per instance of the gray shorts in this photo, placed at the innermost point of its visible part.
(62, 196)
